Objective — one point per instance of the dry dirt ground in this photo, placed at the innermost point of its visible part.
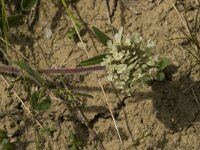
(163, 116)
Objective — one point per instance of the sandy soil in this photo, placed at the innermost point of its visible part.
(157, 117)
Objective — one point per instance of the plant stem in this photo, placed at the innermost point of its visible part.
(13, 70)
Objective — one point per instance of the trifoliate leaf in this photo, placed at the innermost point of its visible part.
(40, 101)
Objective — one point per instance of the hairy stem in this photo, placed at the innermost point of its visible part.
(13, 70)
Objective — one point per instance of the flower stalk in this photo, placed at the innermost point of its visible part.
(14, 70)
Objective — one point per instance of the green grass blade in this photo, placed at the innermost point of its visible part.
(27, 5)
(5, 25)
(94, 60)
(103, 38)
(12, 20)
(32, 73)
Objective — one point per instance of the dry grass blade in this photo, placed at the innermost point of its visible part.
(107, 11)
(181, 17)
(191, 36)
(15, 93)
(197, 2)
(75, 27)
(14, 49)
(106, 99)
(195, 97)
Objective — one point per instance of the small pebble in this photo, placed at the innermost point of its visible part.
(48, 33)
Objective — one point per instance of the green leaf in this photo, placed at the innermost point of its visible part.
(161, 76)
(27, 5)
(164, 62)
(5, 144)
(32, 73)
(103, 38)
(39, 100)
(3, 134)
(12, 20)
(44, 105)
(94, 60)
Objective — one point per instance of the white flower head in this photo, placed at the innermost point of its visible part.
(120, 68)
(110, 68)
(120, 84)
(118, 37)
(127, 42)
(125, 75)
(118, 56)
(136, 38)
(106, 60)
(113, 49)
(153, 72)
(150, 44)
(109, 43)
(130, 60)
(138, 73)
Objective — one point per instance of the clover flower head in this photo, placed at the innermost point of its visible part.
(118, 37)
(130, 60)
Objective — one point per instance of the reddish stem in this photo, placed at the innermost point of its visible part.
(13, 70)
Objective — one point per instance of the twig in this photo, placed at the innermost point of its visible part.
(15, 93)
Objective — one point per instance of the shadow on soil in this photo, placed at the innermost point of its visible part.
(176, 102)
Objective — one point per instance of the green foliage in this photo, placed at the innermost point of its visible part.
(103, 38)
(161, 76)
(27, 5)
(12, 20)
(49, 131)
(71, 33)
(41, 137)
(73, 142)
(66, 95)
(32, 73)
(94, 60)
(163, 63)
(5, 142)
(40, 100)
